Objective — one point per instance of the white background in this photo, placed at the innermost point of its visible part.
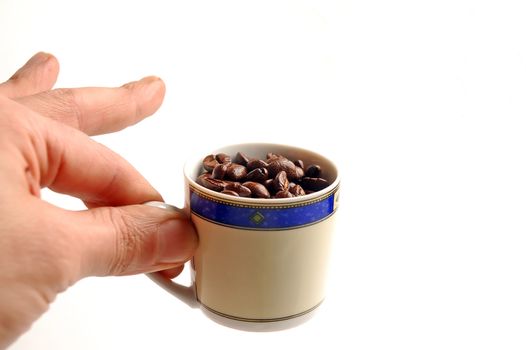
(422, 105)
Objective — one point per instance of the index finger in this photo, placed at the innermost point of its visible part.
(37, 75)
(44, 153)
(97, 110)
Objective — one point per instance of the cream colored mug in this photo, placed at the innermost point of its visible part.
(259, 260)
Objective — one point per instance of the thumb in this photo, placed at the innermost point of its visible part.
(133, 239)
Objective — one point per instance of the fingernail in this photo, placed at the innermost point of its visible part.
(150, 79)
(152, 85)
(177, 241)
(148, 86)
(38, 58)
(163, 205)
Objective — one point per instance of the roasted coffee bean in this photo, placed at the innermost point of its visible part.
(219, 171)
(239, 189)
(212, 184)
(269, 184)
(281, 164)
(201, 177)
(223, 158)
(273, 156)
(299, 173)
(209, 163)
(313, 171)
(232, 193)
(241, 158)
(258, 175)
(281, 183)
(292, 173)
(297, 190)
(314, 183)
(299, 162)
(256, 163)
(232, 185)
(275, 176)
(257, 189)
(236, 172)
(284, 194)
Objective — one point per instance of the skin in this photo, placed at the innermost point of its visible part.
(44, 142)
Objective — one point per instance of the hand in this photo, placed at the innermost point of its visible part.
(43, 143)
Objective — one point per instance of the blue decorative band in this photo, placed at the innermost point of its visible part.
(261, 216)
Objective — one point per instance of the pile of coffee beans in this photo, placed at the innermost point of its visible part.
(273, 177)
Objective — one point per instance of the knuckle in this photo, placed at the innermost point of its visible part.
(15, 78)
(132, 101)
(129, 239)
(63, 102)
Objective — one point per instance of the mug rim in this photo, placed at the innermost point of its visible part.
(190, 163)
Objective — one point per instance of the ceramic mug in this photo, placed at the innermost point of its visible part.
(260, 260)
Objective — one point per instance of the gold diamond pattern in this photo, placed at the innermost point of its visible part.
(257, 218)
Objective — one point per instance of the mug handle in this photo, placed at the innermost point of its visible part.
(186, 294)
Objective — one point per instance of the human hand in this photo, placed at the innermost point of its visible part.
(43, 143)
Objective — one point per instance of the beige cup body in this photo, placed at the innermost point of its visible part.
(258, 274)
(261, 275)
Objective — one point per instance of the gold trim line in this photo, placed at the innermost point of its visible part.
(261, 320)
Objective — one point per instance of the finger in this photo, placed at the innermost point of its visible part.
(173, 272)
(83, 168)
(131, 239)
(37, 75)
(50, 154)
(100, 110)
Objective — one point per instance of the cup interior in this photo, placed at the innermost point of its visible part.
(193, 167)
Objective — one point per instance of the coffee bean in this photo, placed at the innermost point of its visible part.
(209, 163)
(284, 194)
(281, 164)
(314, 183)
(313, 171)
(241, 158)
(223, 158)
(281, 183)
(243, 191)
(276, 176)
(272, 156)
(201, 177)
(236, 172)
(219, 171)
(297, 190)
(269, 185)
(299, 173)
(213, 184)
(299, 162)
(258, 175)
(256, 163)
(232, 193)
(257, 189)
